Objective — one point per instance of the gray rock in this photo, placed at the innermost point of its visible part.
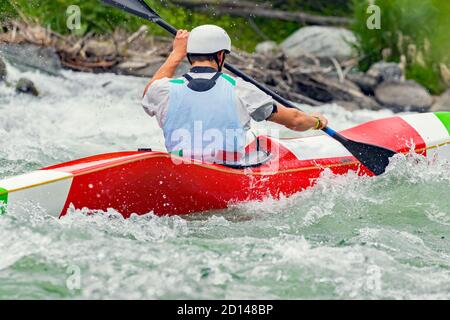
(365, 82)
(359, 103)
(26, 86)
(267, 48)
(368, 103)
(2, 70)
(404, 96)
(30, 57)
(322, 42)
(442, 103)
(386, 71)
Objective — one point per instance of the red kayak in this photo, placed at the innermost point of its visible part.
(148, 181)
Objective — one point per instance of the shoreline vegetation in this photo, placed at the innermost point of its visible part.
(278, 43)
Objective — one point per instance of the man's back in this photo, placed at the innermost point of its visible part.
(210, 121)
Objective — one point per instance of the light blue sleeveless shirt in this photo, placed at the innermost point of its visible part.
(201, 125)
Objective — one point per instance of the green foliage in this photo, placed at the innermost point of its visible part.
(6, 11)
(98, 18)
(416, 30)
(427, 76)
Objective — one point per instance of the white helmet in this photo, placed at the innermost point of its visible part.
(208, 39)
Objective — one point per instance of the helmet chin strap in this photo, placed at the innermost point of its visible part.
(216, 59)
(219, 64)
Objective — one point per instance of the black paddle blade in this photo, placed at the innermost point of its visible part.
(136, 7)
(373, 157)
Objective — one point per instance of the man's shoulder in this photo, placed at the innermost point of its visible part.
(244, 87)
(243, 84)
(163, 82)
(232, 80)
(176, 81)
(159, 87)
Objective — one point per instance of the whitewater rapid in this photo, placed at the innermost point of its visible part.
(348, 237)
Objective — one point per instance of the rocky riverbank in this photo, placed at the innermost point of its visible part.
(316, 65)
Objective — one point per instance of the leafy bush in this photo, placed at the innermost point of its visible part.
(102, 19)
(413, 31)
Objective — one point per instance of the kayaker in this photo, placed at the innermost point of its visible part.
(206, 114)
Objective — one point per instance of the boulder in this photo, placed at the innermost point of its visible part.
(404, 96)
(26, 86)
(267, 48)
(328, 90)
(31, 57)
(2, 70)
(322, 42)
(442, 103)
(365, 82)
(367, 103)
(386, 71)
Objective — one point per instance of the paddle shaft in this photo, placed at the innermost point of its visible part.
(163, 24)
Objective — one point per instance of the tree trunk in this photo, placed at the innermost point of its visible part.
(252, 10)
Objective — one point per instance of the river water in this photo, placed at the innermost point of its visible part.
(348, 237)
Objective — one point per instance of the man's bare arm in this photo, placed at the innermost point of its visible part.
(177, 55)
(297, 120)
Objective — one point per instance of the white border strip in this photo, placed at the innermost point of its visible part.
(314, 148)
(32, 179)
(430, 128)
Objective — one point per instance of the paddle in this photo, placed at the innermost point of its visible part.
(373, 157)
